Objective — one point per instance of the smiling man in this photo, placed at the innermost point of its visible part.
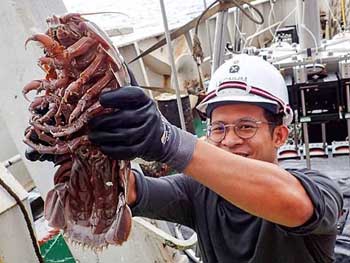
(243, 206)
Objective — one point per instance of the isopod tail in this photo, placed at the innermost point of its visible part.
(124, 228)
(121, 227)
(54, 206)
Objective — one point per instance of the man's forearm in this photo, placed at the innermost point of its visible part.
(260, 188)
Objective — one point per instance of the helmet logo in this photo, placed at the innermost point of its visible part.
(234, 69)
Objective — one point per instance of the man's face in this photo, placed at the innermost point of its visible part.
(262, 146)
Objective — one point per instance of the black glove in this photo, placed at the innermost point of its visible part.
(33, 155)
(137, 129)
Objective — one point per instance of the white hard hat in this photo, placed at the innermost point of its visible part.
(248, 79)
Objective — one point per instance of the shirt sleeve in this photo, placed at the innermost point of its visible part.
(327, 199)
(166, 198)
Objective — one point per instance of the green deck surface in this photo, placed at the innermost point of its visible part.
(56, 251)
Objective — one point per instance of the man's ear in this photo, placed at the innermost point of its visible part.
(280, 135)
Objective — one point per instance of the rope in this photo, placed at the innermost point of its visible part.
(26, 218)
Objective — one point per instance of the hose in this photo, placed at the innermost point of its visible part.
(26, 218)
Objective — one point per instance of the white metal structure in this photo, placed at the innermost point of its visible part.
(15, 243)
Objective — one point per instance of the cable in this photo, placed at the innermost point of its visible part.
(189, 252)
(284, 20)
(312, 35)
(272, 12)
(202, 14)
(256, 25)
(241, 36)
(26, 218)
(251, 37)
(303, 26)
(197, 52)
(307, 29)
(239, 5)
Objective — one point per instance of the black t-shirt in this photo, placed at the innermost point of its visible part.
(229, 234)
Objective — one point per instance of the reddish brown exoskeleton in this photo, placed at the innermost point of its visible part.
(89, 198)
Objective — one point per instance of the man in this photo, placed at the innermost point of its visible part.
(243, 206)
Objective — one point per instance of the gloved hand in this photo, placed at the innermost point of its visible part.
(137, 129)
(33, 155)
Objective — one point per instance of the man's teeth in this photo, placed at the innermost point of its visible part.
(242, 154)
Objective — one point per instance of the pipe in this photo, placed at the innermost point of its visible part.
(343, 16)
(173, 68)
(143, 68)
(208, 31)
(189, 252)
(164, 237)
(305, 132)
(13, 160)
(309, 27)
(348, 113)
(219, 40)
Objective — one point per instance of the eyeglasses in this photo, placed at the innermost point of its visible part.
(243, 128)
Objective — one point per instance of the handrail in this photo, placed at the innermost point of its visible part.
(166, 238)
(11, 161)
